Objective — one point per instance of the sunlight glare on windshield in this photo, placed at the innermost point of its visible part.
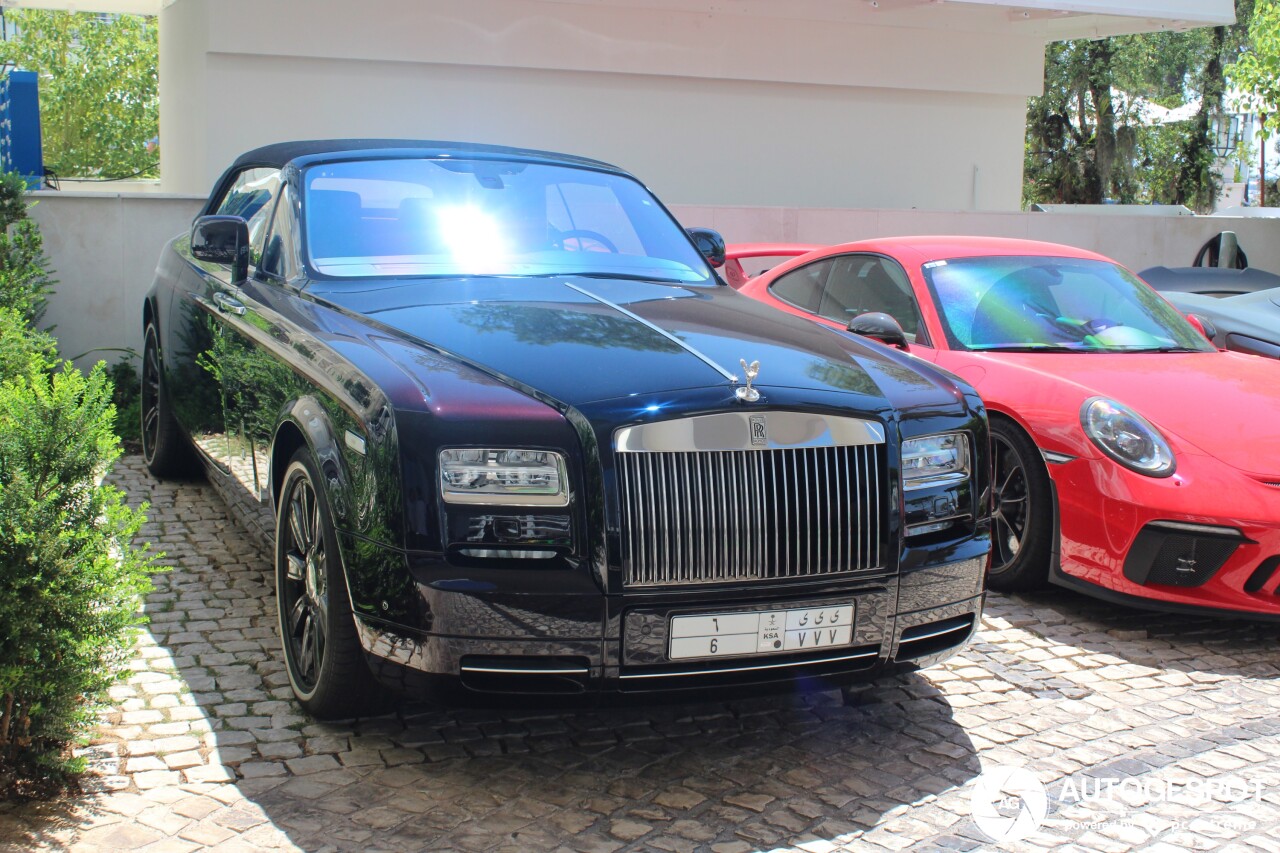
(474, 238)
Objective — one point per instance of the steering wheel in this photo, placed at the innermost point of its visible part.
(581, 234)
(1074, 329)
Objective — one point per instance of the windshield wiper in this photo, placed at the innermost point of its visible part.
(1156, 349)
(626, 276)
(629, 277)
(1025, 348)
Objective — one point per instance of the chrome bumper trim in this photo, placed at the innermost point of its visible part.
(752, 668)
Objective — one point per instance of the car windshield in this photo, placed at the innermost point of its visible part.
(455, 217)
(1039, 303)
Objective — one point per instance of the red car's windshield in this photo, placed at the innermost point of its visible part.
(1039, 303)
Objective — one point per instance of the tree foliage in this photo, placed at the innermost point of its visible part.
(99, 100)
(1087, 141)
(1257, 72)
(25, 283)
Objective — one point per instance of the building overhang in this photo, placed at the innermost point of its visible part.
(1051, 19)
(116, 7)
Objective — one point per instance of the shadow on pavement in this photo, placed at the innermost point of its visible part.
(207, 747)
(1203, 645)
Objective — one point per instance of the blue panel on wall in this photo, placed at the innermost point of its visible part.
(20, 146)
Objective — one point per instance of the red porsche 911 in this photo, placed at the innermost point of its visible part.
(1133, 460)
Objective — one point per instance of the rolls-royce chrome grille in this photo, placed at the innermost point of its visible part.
(750, 496)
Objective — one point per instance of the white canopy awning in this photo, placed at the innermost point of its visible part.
(118, 7)
(1061, 19)
(1190, 12)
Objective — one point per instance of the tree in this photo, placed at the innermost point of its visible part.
(1086, 139)
(99, 101)
(1257, 72)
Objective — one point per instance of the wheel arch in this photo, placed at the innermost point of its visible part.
(306, 423)
(995, 415)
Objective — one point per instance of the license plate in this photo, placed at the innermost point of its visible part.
(763, 632)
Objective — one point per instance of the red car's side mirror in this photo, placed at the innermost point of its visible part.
(1204, 326)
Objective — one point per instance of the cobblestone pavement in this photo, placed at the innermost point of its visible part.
(204, 747)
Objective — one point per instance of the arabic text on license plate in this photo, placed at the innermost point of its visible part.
(761, 632)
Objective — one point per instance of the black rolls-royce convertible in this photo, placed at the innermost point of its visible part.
(508, 429)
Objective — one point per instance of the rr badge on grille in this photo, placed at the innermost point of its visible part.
(746, 393)
(759, 431)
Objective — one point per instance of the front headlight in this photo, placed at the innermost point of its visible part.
(1126, 437)
(503, 477)
(934, 459)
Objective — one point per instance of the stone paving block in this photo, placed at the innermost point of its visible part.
(205, 747)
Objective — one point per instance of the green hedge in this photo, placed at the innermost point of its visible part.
(71, 581)
(25, 283)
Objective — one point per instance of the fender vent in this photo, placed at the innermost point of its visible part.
(1166, 558)
(1262, 575)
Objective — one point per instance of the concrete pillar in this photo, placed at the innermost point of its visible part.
(184, 104)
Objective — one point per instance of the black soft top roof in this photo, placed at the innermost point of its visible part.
(280, 153)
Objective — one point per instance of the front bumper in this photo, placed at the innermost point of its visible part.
(1206, 539)
(918, 619)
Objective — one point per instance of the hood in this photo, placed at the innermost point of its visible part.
(1224, 405)
(1256, 315)
(581, 340)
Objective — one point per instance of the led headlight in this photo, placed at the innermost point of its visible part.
(934, 459)
(503, 477)
(1126, 437)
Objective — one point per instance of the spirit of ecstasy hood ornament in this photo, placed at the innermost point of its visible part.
(746, 393)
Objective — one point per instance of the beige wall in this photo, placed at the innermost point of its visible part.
(103, 248)
(1137, 241)
(705, 106)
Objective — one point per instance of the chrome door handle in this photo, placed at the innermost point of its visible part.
(228, 304)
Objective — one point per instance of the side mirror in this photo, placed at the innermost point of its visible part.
(879, 327)
(709, 243)
(222, 240)
(1204, 326)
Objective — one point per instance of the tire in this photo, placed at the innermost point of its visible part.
(1022, 518)
(322, 653)
(165, 450)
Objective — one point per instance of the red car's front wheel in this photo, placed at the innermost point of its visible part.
(1022, 513)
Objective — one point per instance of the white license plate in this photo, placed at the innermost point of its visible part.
(761, 632)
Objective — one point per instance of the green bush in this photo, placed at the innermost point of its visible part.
(23, 351)
(24, 271)
(70, 581)
(13, 199)
(126, 396)
(25, 283)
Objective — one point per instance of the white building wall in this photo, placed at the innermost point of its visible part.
(703, 106)
(103, 248)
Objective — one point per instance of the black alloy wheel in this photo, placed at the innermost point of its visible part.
(322, 652)
(164, 449)
(1022, 513)
(304, 597)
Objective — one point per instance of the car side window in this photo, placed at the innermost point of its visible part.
(282, 250)
(803, 287)
(859, 284)
(250, 197)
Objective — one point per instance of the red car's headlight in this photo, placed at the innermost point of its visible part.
(1126, 437)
